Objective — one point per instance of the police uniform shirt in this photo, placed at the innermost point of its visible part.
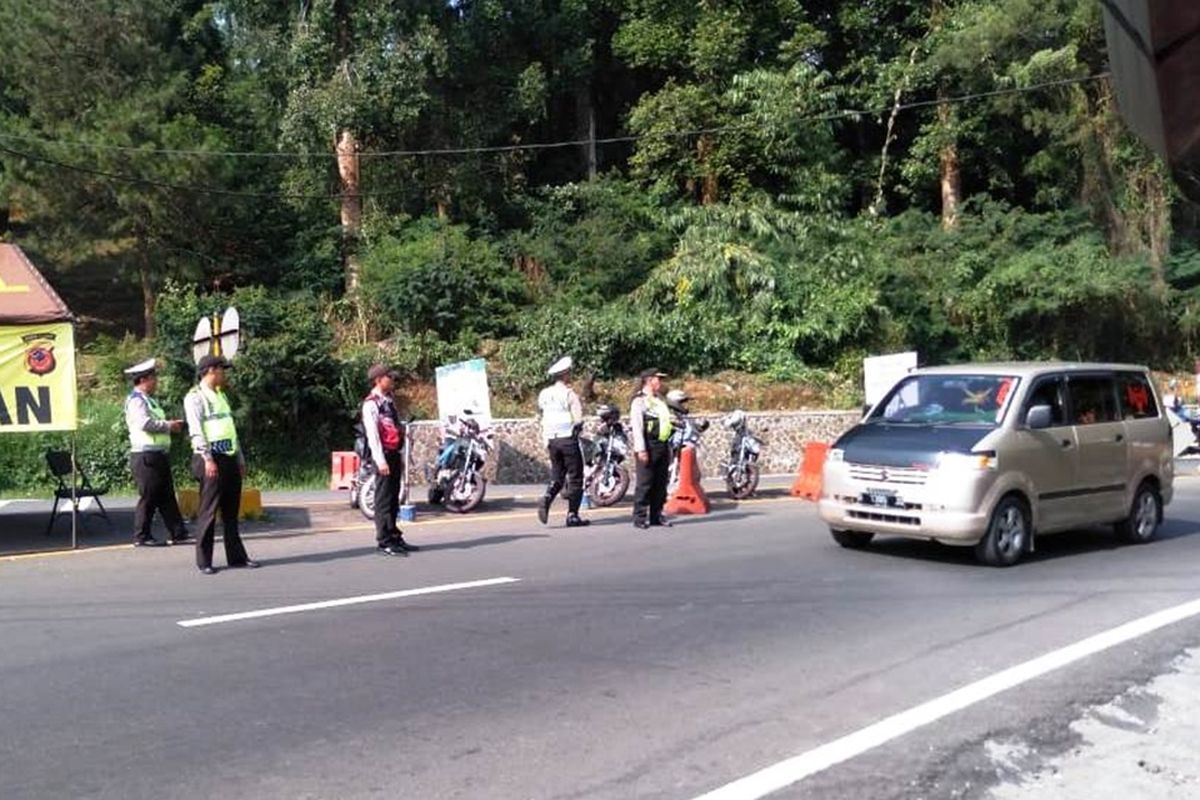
(637, 418)
(139, 418)
(193, 409)
(561, 410)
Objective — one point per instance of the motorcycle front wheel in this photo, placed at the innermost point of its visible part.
(366, 498)
(466, 493)
(609, 488)
(742, 480)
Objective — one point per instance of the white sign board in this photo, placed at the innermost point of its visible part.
(464, 387)
(880, 373)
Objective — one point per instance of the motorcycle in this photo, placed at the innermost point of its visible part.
(741, 470)
(605, 478)
(457, 480)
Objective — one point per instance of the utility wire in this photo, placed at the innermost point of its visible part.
(534, 146)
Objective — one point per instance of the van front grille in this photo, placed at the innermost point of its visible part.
(906, 476)
(875, 516)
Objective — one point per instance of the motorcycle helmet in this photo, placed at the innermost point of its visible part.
(734, 419)
(608, 413)
(677, 399)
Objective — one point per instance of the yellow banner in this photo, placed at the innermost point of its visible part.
(37, 377)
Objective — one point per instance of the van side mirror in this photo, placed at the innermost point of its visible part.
(866, 409)
(1039, 418)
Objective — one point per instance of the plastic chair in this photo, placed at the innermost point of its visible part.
(59, 462)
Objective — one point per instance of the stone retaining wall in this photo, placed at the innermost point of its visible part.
(519, 456)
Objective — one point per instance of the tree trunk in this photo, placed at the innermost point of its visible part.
(951, 177)
(149, 300)
(585, 113)
(876, 207)
(348, 173)
(709, 181)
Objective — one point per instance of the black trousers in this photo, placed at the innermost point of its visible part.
(652, 483)
(566, 468)
(156, 492)
(222, 493)
(387, 499)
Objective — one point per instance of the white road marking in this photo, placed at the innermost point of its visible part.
(793, 770)
(344, 601)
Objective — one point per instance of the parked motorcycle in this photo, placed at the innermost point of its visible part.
(457, 481)
(741, 470)
(605, 477)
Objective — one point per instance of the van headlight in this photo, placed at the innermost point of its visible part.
(966, 462)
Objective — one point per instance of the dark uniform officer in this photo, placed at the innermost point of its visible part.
(217, 463)
(650, 421)
(149, 458)
(562, 416)
(385, 439)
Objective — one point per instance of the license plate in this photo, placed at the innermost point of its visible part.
(880, 497)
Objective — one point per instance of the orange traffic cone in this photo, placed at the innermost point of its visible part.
(689, 497)
(808, 479)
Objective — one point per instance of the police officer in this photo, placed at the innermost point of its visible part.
(218, 463)
(149, 447)
(650, 421)
(385, 439)
(562, 417)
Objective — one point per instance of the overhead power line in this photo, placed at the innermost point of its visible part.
(534, 146)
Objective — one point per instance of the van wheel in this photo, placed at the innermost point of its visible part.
(1142, 523)
(854, 540)
(1007, 534)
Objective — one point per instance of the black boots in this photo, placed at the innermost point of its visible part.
(575, 521)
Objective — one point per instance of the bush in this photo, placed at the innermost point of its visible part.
(429, 277)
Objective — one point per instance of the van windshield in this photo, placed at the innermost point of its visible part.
(944, 399)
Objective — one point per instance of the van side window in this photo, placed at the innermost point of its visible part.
(1047, 393)
(1136, 396)
(1093, 400)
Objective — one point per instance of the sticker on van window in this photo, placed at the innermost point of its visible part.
(1137, 397)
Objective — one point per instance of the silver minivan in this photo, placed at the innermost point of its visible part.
(988, 455)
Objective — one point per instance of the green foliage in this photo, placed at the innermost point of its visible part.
(428, 277)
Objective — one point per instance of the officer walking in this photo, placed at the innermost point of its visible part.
(149, 447)
(562, 417)
(385, 440)
(218, 463)
(650, 420)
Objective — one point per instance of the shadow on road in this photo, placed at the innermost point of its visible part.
(1049, 547)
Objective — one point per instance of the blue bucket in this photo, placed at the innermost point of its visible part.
(408, 513)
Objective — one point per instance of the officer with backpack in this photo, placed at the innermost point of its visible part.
(385, 445)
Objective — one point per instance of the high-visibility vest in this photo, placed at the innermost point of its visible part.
(557, 419)
(217, 421)
(658, 418)
(142, 440)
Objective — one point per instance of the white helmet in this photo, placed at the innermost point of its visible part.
(734, 419)
(676, 399)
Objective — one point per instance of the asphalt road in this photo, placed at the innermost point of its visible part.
(620, 664)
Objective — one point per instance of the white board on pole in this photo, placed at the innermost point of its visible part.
(461, 387)
(880, 373)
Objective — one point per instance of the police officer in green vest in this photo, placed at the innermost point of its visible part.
(149, 457)
(218, 463)
(650, 422)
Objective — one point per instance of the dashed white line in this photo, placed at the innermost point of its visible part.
(793, 770)
(342, 601)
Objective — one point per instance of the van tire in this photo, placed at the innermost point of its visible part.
(1007, 535)
(1144, 516)
(852, 540)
